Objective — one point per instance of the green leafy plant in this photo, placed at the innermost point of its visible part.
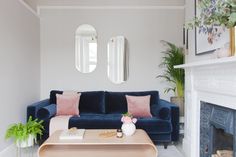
(215, 13)
(21, 132)
(127, 114)
(173, 55)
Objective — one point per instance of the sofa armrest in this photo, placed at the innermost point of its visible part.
(174, 118)
(47, 112)
(32, 110)
(161, 111)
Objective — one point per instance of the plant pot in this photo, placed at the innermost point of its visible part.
(26, 143)
(179, 101)
(128, 129)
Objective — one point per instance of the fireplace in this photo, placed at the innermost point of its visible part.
(212, 81)
(217, 131)
(221, 141)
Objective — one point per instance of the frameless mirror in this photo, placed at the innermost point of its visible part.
(117, 68)
(86, 48)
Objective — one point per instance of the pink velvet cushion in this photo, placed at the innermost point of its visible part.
(68, 104)
(139, 106)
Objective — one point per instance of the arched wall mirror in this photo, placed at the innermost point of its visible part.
(86, 48)
(117, 68)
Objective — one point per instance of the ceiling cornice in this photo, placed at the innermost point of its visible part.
(30, 8)
(36, 6)
(109, 2)
(111, 8)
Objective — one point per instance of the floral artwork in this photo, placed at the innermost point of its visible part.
(213, 33)
(210, 37)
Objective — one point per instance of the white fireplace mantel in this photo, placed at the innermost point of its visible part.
(212, 81)
(210, 62)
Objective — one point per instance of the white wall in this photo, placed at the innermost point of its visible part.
(19, 64)
(143, 28)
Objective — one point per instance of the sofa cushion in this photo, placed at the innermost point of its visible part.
(53, 97)
(96, 121)
(113, 121)
(116, 101)
(90, 102)
(68, 104)
(154, 125)
(139, 106)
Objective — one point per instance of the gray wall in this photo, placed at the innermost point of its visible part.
(143, 28)
(32, 4)
(19, 63)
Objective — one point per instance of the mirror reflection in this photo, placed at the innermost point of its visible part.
(86, 48)
(117, 60)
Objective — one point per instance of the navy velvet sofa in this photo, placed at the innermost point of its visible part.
(103, 110)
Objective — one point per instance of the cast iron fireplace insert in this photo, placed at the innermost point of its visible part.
(217, 130)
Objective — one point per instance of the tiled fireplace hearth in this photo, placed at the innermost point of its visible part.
(210, 104)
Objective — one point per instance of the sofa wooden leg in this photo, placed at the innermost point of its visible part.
(165, 145)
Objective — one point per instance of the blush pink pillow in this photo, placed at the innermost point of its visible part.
(139, 106)
(68, 104)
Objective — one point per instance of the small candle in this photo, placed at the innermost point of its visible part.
(119, 133)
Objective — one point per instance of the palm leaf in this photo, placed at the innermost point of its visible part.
(173, 55)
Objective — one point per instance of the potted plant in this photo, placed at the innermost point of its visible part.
(174, 55)
(25, 135)
(215, 13)
(128, 126)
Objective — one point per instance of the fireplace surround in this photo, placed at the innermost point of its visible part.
(210, 81)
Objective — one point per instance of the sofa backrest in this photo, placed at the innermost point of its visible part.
(116, 101)
(90, 102)
(101, 102)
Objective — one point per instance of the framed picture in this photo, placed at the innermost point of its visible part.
(185, 37)
(186, 44)
(208, 39)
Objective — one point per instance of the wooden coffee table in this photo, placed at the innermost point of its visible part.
(93, 145)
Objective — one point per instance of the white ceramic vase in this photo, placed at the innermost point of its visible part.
(128, 129)
(27, 143)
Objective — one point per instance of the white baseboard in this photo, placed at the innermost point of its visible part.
(10, 151)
